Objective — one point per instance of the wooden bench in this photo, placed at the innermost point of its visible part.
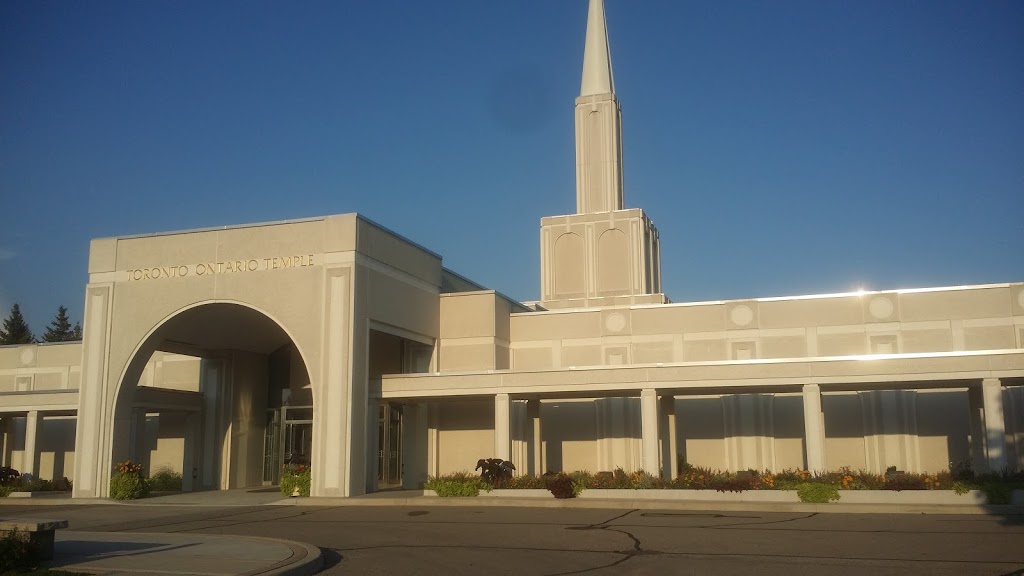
(36, 531)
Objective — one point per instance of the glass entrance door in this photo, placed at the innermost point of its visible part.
(389, 442)
(288, 439)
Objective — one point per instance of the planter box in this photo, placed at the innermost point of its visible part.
(525, 493)
(882, 497)
(629, 494)
(695, 495)
(974, 497)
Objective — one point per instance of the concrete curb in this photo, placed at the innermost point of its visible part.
(54, 501)
(309, 559)
(304, 560)
(649, 504)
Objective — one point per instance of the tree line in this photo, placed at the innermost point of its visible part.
(16, 331)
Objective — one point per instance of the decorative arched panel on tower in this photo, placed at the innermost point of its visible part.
(569, 261)
(613, 266)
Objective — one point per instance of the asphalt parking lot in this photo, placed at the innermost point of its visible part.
(488, 540)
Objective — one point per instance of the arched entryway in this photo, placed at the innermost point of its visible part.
(218, 391)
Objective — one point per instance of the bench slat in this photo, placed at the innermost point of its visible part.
(32, 525)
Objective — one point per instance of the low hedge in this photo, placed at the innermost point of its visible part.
(457, 484)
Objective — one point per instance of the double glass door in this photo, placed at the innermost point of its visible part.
(389, 444)
(288, 439)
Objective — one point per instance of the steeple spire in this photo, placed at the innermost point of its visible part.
(604, 254)
(597, 59)
(598, 124)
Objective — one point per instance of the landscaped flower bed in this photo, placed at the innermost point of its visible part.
(958, 486)
(12, 483)
(295, 480)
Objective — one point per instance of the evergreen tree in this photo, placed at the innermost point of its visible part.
(16, 330)
(77, 331)
(60, 329)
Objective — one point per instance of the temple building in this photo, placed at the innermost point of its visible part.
(224, 353)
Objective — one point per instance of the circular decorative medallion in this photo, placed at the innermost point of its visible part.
(27, 356)
(615, 322)
(881, 308)
(741, 315)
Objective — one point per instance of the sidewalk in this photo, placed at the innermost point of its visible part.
(181, 554)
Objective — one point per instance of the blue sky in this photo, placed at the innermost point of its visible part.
(782, 148)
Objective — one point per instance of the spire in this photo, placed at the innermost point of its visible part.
(597, 59)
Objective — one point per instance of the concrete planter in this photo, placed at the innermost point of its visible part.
(525, 493)
(695, 495)
(878, 497)
(627, 494)
(973, 497)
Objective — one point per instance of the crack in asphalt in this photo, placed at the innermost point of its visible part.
(716, 526)
(626, 554)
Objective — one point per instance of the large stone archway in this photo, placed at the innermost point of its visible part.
(238, 351)
(234, 294)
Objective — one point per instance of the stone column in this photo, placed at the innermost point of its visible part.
(995, 424)
(536, 464)
(979, 460)
(137, 432)
(32, 421)
(649, 430)
(668, 437)
(433, 444)
(94, 427)
(188, 458)
(502, 422)
(4, 423)
(334, 452)
(414, 446)
(814, 428)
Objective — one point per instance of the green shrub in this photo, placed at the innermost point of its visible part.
(17, 553)
(962, 488)
(998, 487)
(5, 491)
(560, 485)
(165, 480)
(128, 486)
(127, 482)
(579, 482)
(295, 476)
(998, 492)
(456, 484)
(817, 493)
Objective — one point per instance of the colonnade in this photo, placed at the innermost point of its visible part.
(659, 438)
(33, 423)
